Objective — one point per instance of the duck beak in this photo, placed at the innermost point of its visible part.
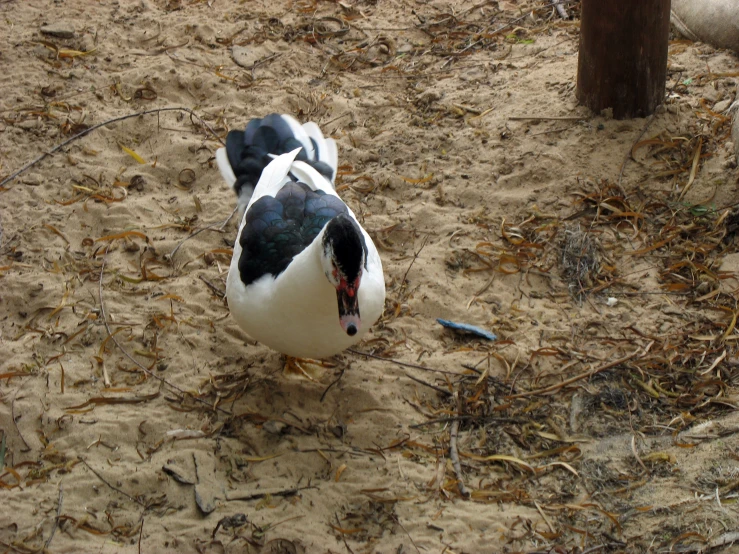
(348, 311)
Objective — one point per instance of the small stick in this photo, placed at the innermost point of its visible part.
(103, 124)
(212, 287)
(206, 228)
(139, 502)
(246, 496)
(628, 154)
(58, 515)
(106, 377)
(467, 418)
(693, 168)
(488, 34)
(141, 532)
(549, 118)
(575, 379)
(546, 519)
(12, 416)
(333, 383)
(415, 257)
(397, 519)
(402, 364)
(330, 121)
(600, 547)
(346, 544)
(454, 453)
(473, 8)
(223, 225)
(550, 131)
(437, 389)
(636, 454)
(723, 540)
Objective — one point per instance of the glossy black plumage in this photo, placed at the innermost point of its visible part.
(280, 227)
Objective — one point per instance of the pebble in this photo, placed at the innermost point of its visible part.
(32, 179)
(59, 30)
(274, 427)
(405, 48)
(711, 94)
(243, 56)
(722, 106)
(428, 97)
(137, 183)
(730, 263)
(29, 124)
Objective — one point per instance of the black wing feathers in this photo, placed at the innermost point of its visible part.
(278, 228)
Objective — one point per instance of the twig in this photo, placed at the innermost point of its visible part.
(724, 539)
(103, 124)
(628, 154)
(415, 257)
(10, 546)
(58, 515)
(545, 518)
(212, 287)
(106, 377)
(636, 453)
(333, 383)
(397, 520)
(246, 496)
(601, 546)
(487, 35)
(562, 13)
(402, 364)
(476, 6)
(346, 544)
(550, 131)
(12, 416)
(454, 453)
(330, 121)
(261, 61)
(549, 118)
(437, 389)
(135, 361)
(141, 532)
(206, 228)
(124, 493)
(489, 419)
(575, 379)
(693, 169)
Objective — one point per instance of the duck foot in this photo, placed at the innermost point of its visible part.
(304, 368)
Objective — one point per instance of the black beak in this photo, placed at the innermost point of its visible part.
(348, 312)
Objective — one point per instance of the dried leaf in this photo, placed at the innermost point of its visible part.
(133, 154)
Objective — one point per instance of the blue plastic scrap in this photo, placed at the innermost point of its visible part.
(466, 328)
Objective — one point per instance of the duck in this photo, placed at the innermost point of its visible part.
(305, 278)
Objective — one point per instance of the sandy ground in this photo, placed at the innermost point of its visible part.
(137, 417)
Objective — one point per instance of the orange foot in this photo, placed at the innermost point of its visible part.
(298, 368)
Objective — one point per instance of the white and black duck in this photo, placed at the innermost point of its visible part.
(305, 278)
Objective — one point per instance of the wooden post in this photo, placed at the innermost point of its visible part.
(623, 55)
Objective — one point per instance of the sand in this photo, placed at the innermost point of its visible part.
(466, 156)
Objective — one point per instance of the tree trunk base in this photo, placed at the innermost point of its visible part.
(623, 56)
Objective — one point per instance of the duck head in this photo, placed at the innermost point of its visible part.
(343, 257)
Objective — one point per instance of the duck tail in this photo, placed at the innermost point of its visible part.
(248, 152)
